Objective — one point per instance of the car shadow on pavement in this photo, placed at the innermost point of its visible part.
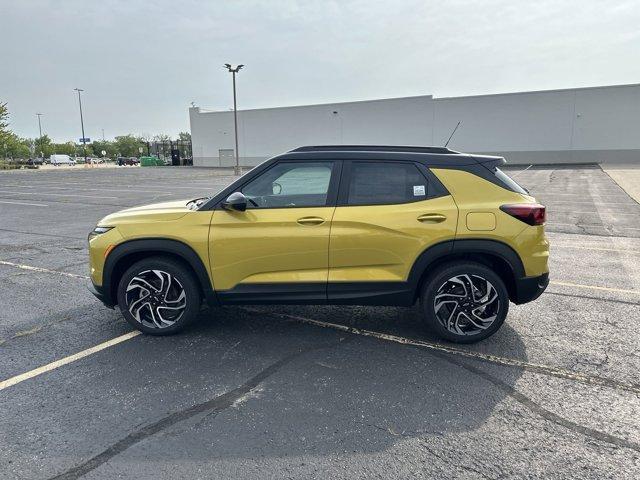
(343, 394)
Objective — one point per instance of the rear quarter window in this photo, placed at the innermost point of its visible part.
(509, 182)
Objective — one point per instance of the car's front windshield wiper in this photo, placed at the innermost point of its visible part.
(196, 203)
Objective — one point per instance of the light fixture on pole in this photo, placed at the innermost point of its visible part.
(233, 70)
(40, 137)
(84, 140)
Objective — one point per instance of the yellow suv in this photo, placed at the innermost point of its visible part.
(352, 225)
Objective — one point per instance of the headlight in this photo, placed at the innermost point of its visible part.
(98, 231)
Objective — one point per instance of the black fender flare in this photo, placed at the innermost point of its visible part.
(157, 245)
(460, 247)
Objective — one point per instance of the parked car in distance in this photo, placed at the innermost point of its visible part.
(35, 161)
(341, 225)
(95, 160)
(122, 161)
(61, 159)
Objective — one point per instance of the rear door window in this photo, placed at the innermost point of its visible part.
(379, 183)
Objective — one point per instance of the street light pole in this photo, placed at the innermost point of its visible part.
(40, 138)
(233, 71)
(84, 141)
(39, 123)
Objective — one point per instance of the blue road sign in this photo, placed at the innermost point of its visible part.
(85, 140)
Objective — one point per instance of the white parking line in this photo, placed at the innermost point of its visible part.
(147, 187)
(595, 287)
(43, 270)
(593, 212)
(66, 360)
(25, 203)
(47, 194)
(582, 195)
(564, 202)
(579, 225)
(599, 249)
(96, 188)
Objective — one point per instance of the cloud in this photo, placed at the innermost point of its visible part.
(141, 63)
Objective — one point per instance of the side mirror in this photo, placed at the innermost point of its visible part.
(236, 201)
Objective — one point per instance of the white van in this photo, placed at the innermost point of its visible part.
(60, 159)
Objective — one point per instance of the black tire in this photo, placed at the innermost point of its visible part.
(470, 318)
(173, 299)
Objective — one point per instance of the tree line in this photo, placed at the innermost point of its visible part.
(14, 146)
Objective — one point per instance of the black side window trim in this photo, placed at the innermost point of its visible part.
(332, 192)
(434, 186)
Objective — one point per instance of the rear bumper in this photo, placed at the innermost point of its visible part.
(101, 295)
(530, 288)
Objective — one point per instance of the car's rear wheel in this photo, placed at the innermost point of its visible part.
(464, 302)
(159, 296)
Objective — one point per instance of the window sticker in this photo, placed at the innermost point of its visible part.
(418, 191)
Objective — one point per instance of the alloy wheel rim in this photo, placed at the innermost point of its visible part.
(156, 299)
(466, 304)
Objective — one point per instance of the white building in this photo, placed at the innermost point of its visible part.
(598, 124)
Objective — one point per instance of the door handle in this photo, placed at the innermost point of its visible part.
(311, 221)
(432, 218)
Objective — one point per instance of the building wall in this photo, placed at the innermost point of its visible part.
(599, 124)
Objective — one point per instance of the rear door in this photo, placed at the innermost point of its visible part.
(388, 213)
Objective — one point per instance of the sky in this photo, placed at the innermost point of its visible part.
(141, 63)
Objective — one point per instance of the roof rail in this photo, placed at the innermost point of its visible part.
(374, 148)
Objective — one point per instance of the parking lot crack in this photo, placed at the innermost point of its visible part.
(213, 406)
(40, 234)
(33, 330)
(599, 299)
(541, 411)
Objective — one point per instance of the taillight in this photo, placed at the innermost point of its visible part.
(529, 213)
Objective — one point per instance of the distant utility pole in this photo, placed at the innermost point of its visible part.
(84, 140)
(39, 123)
(233, 70)
(103, 134)
(40, 138)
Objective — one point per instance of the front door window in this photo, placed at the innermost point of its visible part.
(290, 185)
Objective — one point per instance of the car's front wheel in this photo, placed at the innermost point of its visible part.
(464, 302)
(159, 296)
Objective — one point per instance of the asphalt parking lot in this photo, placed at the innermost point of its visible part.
(291, 392)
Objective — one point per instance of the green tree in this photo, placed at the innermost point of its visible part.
(14, 147)
(80, 152)
(161, 137)
(43, 146)
(68, 148)
(4, 120)
(106, 145)
(184, 136)
(128, 145)
(6, 139)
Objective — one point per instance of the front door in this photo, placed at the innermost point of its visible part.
(277, 250)
(388, 214)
